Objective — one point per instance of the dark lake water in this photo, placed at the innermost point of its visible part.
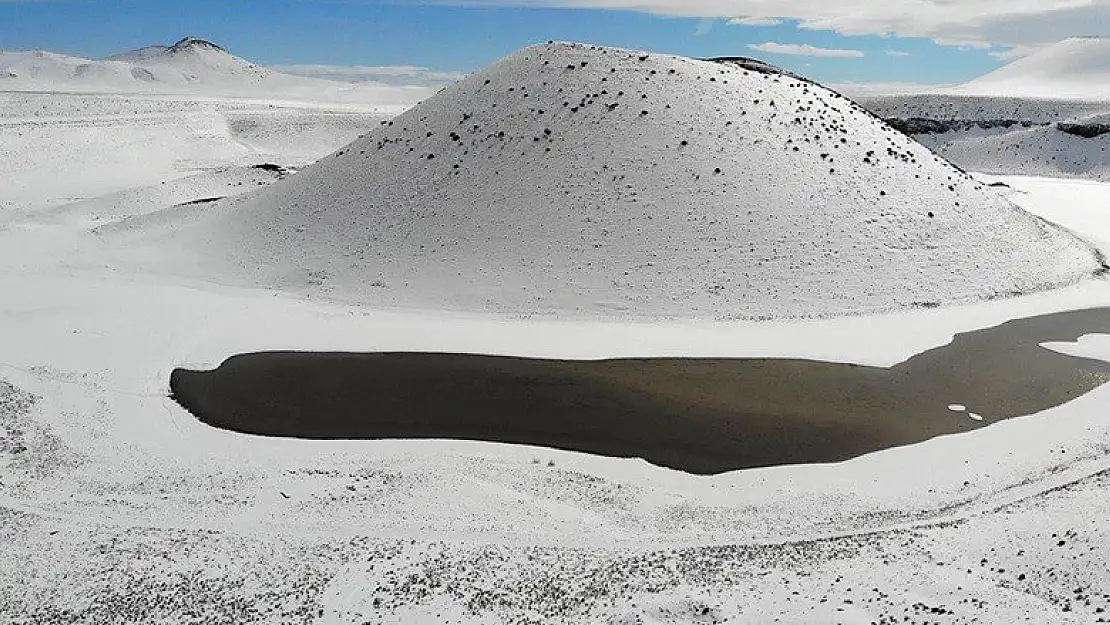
(697, 415)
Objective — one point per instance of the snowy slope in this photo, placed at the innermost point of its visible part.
(191, 66)
(1076, 68)
(147, 53)
(59, 148)
(573, 179)
(1037, 151)
(1006, 135)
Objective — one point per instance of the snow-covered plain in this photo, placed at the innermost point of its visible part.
(116, 506)
(61, 148)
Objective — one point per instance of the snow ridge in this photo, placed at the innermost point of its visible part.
(1075, 68)
(580, 180)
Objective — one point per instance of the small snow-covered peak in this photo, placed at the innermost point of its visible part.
(189, 47)
(192, 44)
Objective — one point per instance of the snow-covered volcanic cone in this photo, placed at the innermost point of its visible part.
(577, 179)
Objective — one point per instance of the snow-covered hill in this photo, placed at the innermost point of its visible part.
(576, 179)
(189, 67)
(193, 59)
(1076, 68)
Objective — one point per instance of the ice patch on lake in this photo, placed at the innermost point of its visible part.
(1094, 346)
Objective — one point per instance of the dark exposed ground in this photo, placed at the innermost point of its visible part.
(698, 415)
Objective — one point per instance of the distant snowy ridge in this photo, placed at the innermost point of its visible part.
(1044, 114)
(1004, 135)
(1076, 68)
(189, 67)
(580, 180)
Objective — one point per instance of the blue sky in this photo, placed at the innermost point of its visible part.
(457, 38)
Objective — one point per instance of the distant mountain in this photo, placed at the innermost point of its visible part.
(189, 52)
(1077, 68)
(156, 54)
(192, 44)
(191, 66)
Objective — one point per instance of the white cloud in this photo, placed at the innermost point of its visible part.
(806, 50)
(389, 74)
(755, 21)
(963, 22)
(898, 53)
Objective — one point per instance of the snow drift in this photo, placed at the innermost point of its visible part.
(1076, 68)
(576, 179)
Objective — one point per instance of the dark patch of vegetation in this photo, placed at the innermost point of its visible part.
(1087, 131)
(206, 200)
(924, 126)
